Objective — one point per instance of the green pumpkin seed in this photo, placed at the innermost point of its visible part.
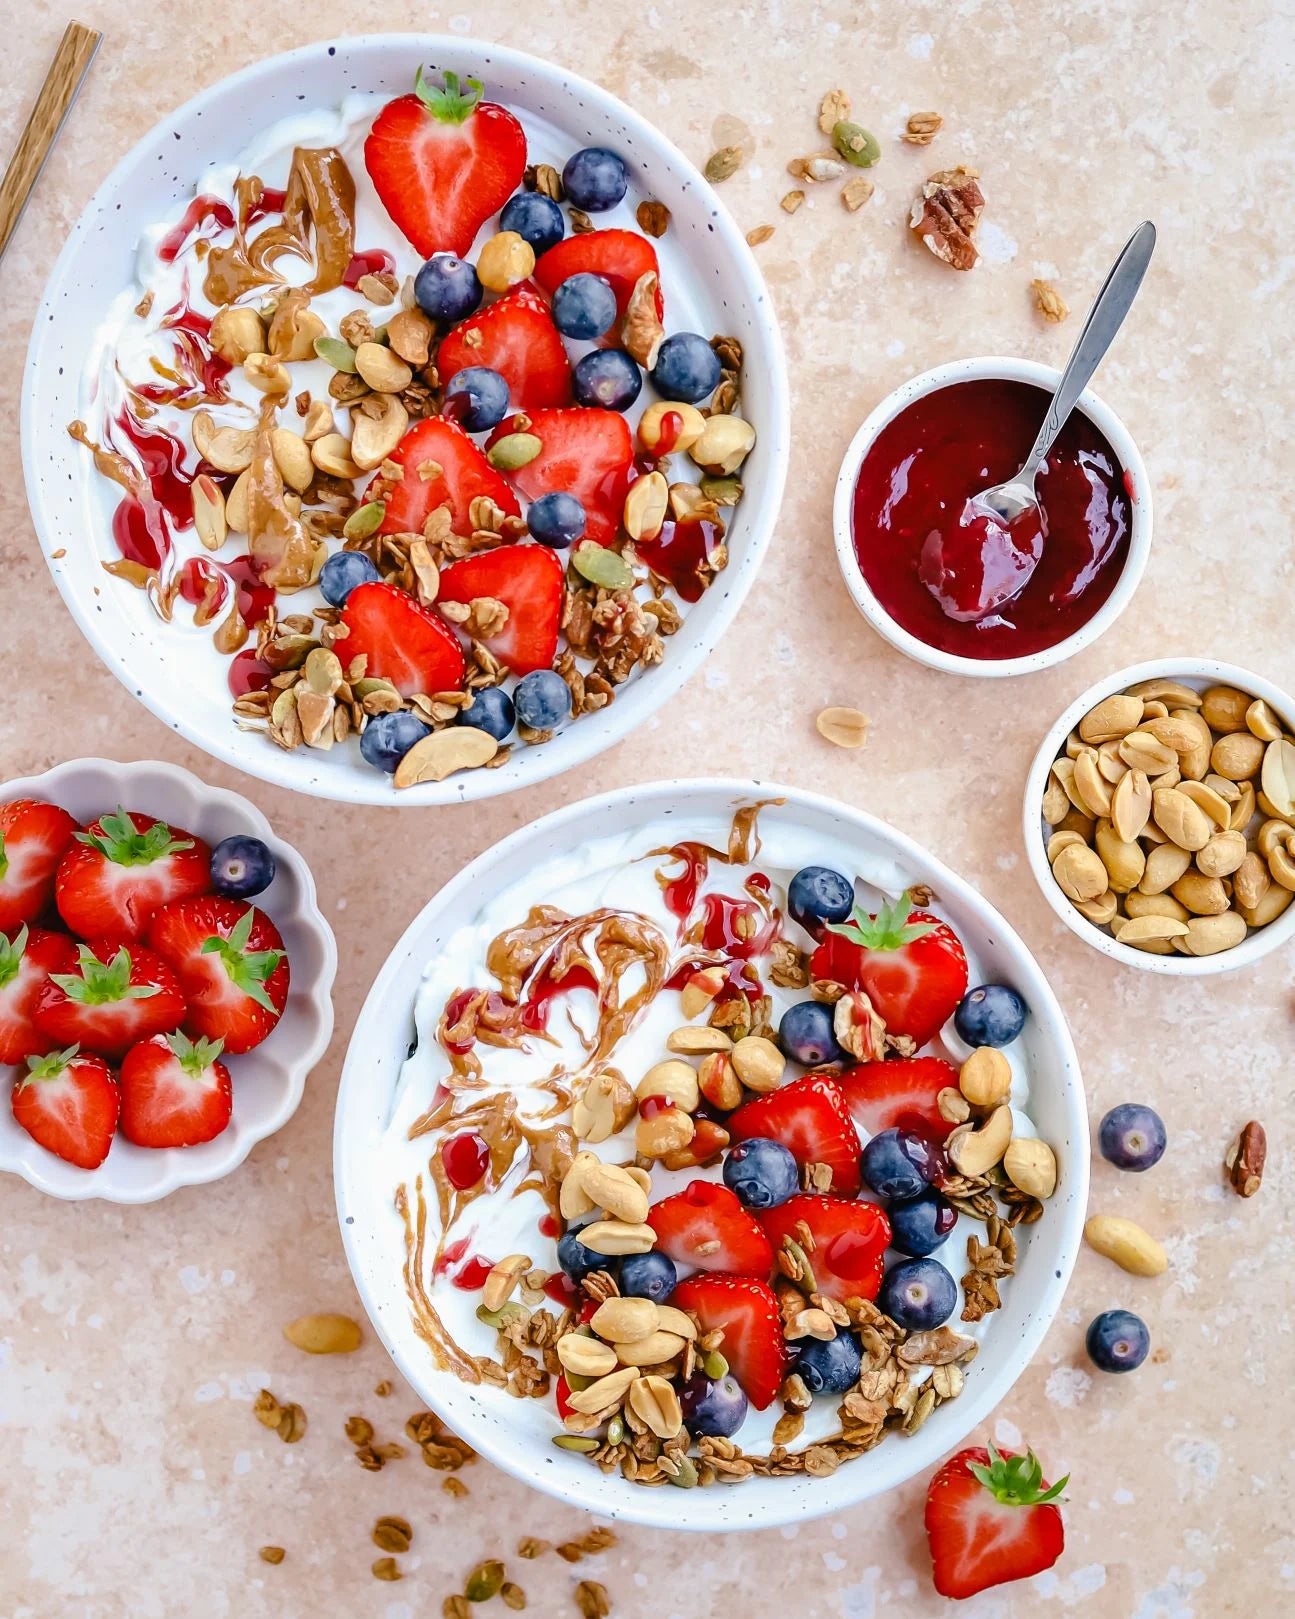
(333, 351)
(723, 491)
(714, 1365)
(504, 1316)
(323, 671)
(685, 1475)
(577, 1442)
(514, 450)
(484, 1581)
(365, 520)
(602, 567)
(615, 1431)
(856, 145)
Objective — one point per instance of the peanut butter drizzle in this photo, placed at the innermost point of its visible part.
(108, 462)
(281, 547)
(320, 200)
(495, 1120)
(427, 1321)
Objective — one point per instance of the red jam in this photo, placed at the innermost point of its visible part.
(247, 673)
(915, 483)
(466, 1158)
(468, 1271)
(737, 927)
(550, 1226)
(680, 553)
(199, 211)
(376, 261)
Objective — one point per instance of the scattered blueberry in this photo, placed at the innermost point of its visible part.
(921, 1225)
(387, 738)
(686, 368)
(446, 288)
(241, 867)
(556, 519)
(594, 179)
(476, 398)
(577, 1260)
(715, 1406)
(806, 1035)
(491, 711)
(762, 1173)
(1132, 1136)
(584, 306)
(542, 699)
(991, 1015)
(918, 1293)
(899, 1164)
(648, 1276)
(342, 572)
(608, 378)
(831, 1366)
(536, 219)
(818, 895)
(1117, 1341)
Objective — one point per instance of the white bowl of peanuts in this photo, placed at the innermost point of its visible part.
(1164, 834)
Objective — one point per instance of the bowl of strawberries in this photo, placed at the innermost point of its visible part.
(165, 978)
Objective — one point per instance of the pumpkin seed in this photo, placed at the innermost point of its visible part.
(484, 1581)
(602, 566)
(513, 451)
(580, 1443)
(333, 351)
(855, 144)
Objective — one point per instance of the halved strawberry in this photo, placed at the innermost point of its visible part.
(990, 1519)
(705, 1225)
(33, 839)
(531, 583)
(401, 640)
(587, 453)
(68, 1102)
(850, 1241)
(122, 868)
(619, 256)
(230, 959)
(442, 161)
(745, 1310)
(26, 961)
(899, 1094)
(175, 1092)
(516, 337)
(115, 995)
(441, 466)
(810, 1117)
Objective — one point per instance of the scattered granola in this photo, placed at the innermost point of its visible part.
(723, 164)
(792, 201)
(1245, 1160)
(592, 1600)
(760, 234)
(653, 218)
(271, 1554)
(922, 128)
(856, 192)
(1049, 302)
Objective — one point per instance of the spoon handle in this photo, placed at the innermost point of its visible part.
(1105, 318)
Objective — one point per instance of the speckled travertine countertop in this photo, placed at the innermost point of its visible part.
(135, 1479)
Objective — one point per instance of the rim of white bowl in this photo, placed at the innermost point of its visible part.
(944, 376)
(1066, 1218)
(1208, 671)
(637, 700)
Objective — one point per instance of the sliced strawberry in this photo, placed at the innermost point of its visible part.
(587, 453)
(531, 583)
(175, 1092)
(230, 959)
(68, 1102)
(442, 161)
(619, 256)
(850, 1241)
(745, 1310)
(441, 466)
(705, 1225)
(516, 337)
(810, 1117)
(990, 1519)
(122, 868)
(33, 839)
(115, 995)
(899, 1094)
(401, 641)
(26, 961)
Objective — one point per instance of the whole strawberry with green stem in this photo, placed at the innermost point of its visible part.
(122, 868)
(117, 994)
(231, 963)
(989, 1519)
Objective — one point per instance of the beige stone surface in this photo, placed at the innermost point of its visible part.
(134, 1478)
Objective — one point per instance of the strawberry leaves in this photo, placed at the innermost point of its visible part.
(890, 929)
(1014, 1481)
(11, 953)
(101, 983)
(118, 840)
(454, 104)
(194, 1056)
(50, 1066)
(247, 969)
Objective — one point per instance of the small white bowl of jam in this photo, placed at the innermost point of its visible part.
(944, 436)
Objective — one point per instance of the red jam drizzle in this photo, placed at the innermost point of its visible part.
(199, 211)
(270, 201)
(375, 261)
(255, 598)
(543, 988)
(140, 531)
(737, 927)
(679, 553)
(560, 1288)
(471, 1274)
(550, 1226)
(466, 1158)
(247, 673)
(160, 455)
(198, 375)
(203, 582)
(680, 893)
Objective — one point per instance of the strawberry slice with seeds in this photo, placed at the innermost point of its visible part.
(989, 1519)
(619, 256)
(33, 839)
(400, 641)
(26, 961)
(516, 337)
(68, 1101)
(530, 582)
(175, 1092)
(706, 1225)
(850, 1241)
(587, 453)
(440, 466)
(899, 1094)
(745, 1310)
(811, 1119)
(115, 995)
(122, 868)
(230, 959)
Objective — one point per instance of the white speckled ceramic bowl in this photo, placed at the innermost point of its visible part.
(267, 1081)
(712, 285)
(517, 1434)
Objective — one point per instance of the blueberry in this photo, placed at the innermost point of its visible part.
(918, 1293)
(476, 398)
(715, 1406)
(686, 368)
(919, 1226)
(608, 378)
(594, 179)
(342, 572)
(241, 867)
(446, 288)
(831, 1366)
(648, 1276)
(992, 1015)
(818, 895)
(1117, 1341)
(536, 219)
(491, 711)
(762, 1173)
(899, 1164)
(387, 738)
(543, 700)
(806, 1035)
(1132, 1136)
(556, 520)
(577, 1260)
(584, 306)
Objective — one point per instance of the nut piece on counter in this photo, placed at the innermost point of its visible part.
(1245, 1160)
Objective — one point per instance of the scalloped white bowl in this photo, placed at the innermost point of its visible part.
(268, 1081)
